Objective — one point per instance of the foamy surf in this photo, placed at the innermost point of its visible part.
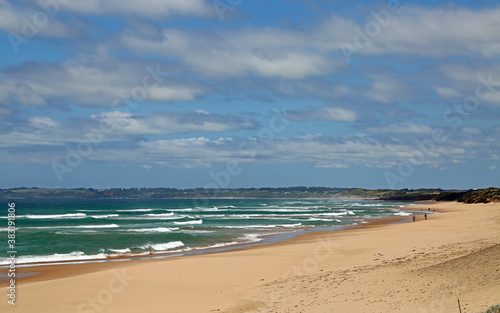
(56, 257)
(54, 216)
(163, 246)
(154, 230)
(99, 229)
(195, 222)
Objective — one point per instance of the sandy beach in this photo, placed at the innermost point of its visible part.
(422, 266)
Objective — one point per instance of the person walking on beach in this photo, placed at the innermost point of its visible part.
(413, 218)
(425, 215)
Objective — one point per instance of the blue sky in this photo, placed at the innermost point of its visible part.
(195, 93)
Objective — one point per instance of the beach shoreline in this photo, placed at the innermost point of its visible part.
(55, 269)
(357, 266)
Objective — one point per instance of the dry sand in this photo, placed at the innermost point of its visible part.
(407, 267)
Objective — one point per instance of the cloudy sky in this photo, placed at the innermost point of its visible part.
(240, 93)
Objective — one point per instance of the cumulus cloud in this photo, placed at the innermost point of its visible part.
(319, 150)
(264, 52)
(438, 32)
(328, 113)
(94, 82)
(149, 8)
(446, 92)
(24, 22)
(124, 123)
(482, 82)
(119, 127)
(403, 128)
(226, 63)
(385, 88)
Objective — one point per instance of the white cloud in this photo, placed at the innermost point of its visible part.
(385, 88)
(173, 93)
(471, 130)
(265, 52)
(477, 81)
(24, 23)
(322, 151)
(148, 8)
(446, 92)
(123, 123)
(331, 165)
(324, 113)
(120, 127)
(317, 150)
(43, 122)
(440, 32)
(403, 128)
(98, 82)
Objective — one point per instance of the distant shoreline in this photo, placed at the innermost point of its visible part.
(408, 195)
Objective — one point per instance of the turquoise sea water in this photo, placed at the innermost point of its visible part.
(81, 229)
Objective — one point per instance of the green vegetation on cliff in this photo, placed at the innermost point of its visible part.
(264, 193)
(481, 196)
(471, 196)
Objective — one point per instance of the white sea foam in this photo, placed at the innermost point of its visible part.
(75, 255)
(121, 251)
(332, 214)
(154, 230)
(286, 210)
(220, 245)
(94, 226)
(160, 214)
(195, 231)
(194, 222)
(71, 227)
(251, 238)
(248, 238)
(54, 216)
(402, 213)
(138, 210)
(105, 216)
(69, 232)
(260, 226)
(163, 246)
(6, 229)
(369, 205)
(312, 219)
(212, 209)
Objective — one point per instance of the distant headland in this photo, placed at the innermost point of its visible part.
(300, 192)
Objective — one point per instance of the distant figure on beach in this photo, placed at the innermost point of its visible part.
(429, 209)
(425, 215)
(413, 218)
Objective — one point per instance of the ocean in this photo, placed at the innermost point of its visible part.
(49, 230)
